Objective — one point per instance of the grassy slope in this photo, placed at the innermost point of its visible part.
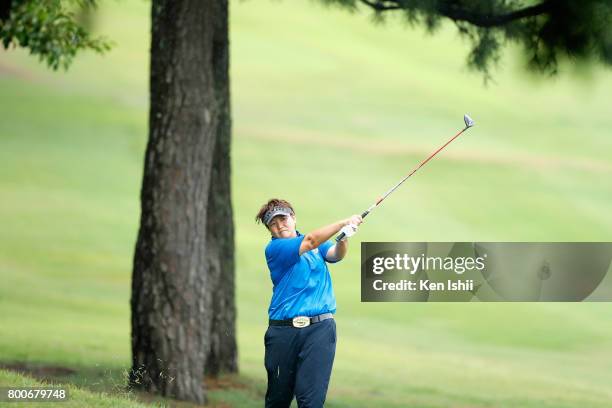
(328, 114)
(77, 397)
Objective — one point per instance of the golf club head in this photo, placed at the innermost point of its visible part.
(468, 121)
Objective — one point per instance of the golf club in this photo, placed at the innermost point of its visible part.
(468, 124)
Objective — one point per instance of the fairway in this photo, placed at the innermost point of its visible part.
(329, 110)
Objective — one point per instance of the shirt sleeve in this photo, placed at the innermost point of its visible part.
(282, 254)
(323, 248)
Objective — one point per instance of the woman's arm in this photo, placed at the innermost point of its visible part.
(315, 238)
(338, 251)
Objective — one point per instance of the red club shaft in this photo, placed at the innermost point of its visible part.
(421, 164)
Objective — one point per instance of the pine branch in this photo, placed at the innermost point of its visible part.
(455, 12)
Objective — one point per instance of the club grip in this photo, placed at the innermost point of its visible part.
(341, 236)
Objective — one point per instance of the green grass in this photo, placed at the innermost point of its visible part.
(329, 111)
(77, 397)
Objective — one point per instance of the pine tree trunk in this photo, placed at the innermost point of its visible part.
(172, 285)
(223, 353)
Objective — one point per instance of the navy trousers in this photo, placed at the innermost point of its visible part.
(299, 362)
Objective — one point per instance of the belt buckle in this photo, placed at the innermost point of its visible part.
(301, 322)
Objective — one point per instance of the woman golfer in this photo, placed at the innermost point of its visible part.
(301, 337)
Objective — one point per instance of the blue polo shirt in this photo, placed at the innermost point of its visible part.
(302, 283)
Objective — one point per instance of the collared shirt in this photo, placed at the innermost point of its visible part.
(302, 283)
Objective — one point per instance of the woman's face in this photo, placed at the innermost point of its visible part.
(283, 226)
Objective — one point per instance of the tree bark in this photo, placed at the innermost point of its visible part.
(223, 353)
(178, 252)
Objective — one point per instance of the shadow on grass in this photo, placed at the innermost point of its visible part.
(226, 391)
